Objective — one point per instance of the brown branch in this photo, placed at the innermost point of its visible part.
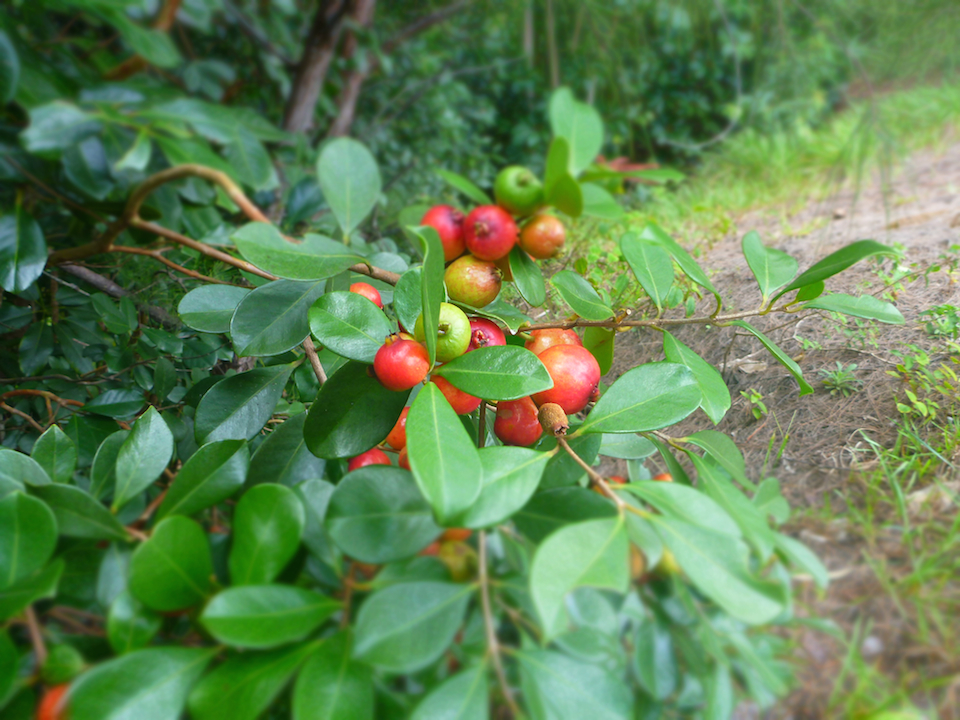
(36, 636)
(595, 477)
(311, 350)
(108, 286)
(157, 255)
(136, 63)
(45, 394)
(493, 643)
(13, 411)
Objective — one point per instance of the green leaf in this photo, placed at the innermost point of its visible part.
(779, 354)
(238, 407)
(9, 79)
(211, 475)
(117, 403)
(597, 202)
(464, 696)
(377, 515)
(459, 182)
(28, 535)
(137, 157)
(86, 167)
(528, 277)
(55, 127)
(332, 686)
(209, 308)
(245, 685)
(39, 586)
(265, 616)
(654, 661)
(442, 456)
(349, 325)
(284, 458)
(579, 124)
(17, 469)
(557, 164)
(673, 465)
(315, 257)
(315, 495)
(566, 196)
(684, 503)
(689, 266)
(772, 268)
(130, 625)
(563, 469)
(651, 264)
(250, 160)
(865, 306)
(558, 687)
(497, 372)
(501, 312)
(809, 292)
(155, 46)
(350, 181)
(799, 555)
(716, 395)
(164, 378)
(599, 341)
(407, 298)
(143, 456)
(835, 263)
(716, 565)
(23, 251)
(267, 525)
(595, 553)
(648, 397)
(407, 626)
(272, 319)
(626, 446)
(510, 475)
(147, 684)
(79, 514)
(432, 289)
(173, 569)
(580, 296)
(36, 347)
(550, 510)
(352, 413)
(725, 451)
(103, 474)
(9, 657)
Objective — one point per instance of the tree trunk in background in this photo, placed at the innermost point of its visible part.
(362, 16)
(318, 52)
(552, 53)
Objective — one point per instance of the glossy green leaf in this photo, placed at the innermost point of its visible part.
(315, 495)
(332, 686)
(130, 625)
(687, 504)
(809, 292)
(600, 341)
(407, 626)
(432, 289)
(86, 167)
(9, 79)
(865, 306)
(55, 452)
(510, 475)
(36, 347)
(56, 126)
(626, 446)
(779, 354)
(272, 319)
(39, 586)
(497, 372)
(553, 509)
(244, 686)
(164, 378)
(559, 687)
(265, 616)
(725, 451)
(651, 264)
(565, 195)
(209, 308)
(79, 514)
(557, 165)
(137, 156)
(350, 181)
(149, 684)
(377, 515)
(238, 407)
(314, 257)
(594, 553)
(442, 456)
(580, 296)
(349, 325)
(143, 456)
(716, 396)
(284, 458)
(352, 413)
(211, 475)
(716, 565)
(173, 569)
(801, 557)
(580, 124)
(648, 397)
(23, 251)
(408, 298)
(772, 268)
(563, 469)
(501, 312)
(837, 262)
(9, 655)
(267, 525)
(654, 659)
(464, 696)
(689, 266)
(673, 465)
(528, 277)
(117, 403)
(103, 475)
(461, 183)
(597, 202)
(28, 535)
(17, 469)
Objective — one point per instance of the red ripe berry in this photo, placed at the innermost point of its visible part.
(543, 237)
(404, 460)
(575, 373)
(373, 456)
(461, 402)
(490, 232)
(400, 364)
(517, 422)
(53, 705)
(368, 291)
(455, 535)
(540, 340)
(663, 477)
(397, 439)
(484, 333)
(448, 222)
(618, 480)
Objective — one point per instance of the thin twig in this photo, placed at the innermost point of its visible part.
(311, 350)
(348, 585)
(36, 636)
(595, 477)
(493, 644)
(157, 255)
(625, 322)
(20, 413)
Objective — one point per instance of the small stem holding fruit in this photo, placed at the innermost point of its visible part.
(595, 477)
(493, 644)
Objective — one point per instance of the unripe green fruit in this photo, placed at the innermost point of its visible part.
(518, 190)
(453, 332)
(472, 281)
